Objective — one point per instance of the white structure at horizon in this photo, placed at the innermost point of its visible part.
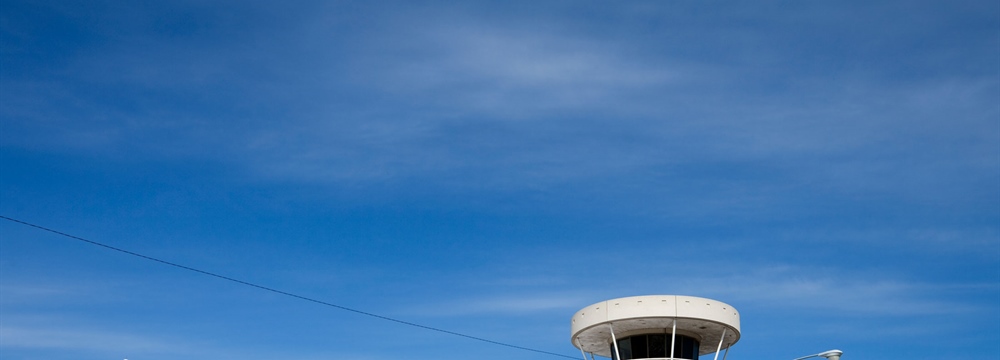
(657, 327)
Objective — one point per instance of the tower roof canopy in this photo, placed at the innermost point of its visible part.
(703, 319)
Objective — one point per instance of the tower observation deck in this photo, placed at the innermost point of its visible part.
(657, 327)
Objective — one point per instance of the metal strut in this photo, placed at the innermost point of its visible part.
(580, 345)
(717, 350)
(614, 341)
(673, 337)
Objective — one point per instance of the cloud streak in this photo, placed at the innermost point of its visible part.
(517, 74)
(523, 304)
(848, 294)
(487, 104)
(82, 340)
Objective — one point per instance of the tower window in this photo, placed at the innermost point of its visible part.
(652, 346)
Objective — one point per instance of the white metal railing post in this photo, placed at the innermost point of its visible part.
(717, 350)
(614, 342)
(673, 337)
(584, 354)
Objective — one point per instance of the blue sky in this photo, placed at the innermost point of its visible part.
(831, 169)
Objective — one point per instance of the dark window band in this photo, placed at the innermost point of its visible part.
(656, 346)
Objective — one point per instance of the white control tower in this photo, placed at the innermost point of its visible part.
(661, 327)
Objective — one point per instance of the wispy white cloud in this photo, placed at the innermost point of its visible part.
(120, 344)
(83, 340)
(509, 73)
(480, 104)
(941, 240)
(764, 288)
(767, 287)
(788, 287)
(525, 303)
(28, 293)
(19, 293)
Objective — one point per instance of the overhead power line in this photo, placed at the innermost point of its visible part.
(265, 288)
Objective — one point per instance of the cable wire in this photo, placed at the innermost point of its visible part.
(300, 297)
